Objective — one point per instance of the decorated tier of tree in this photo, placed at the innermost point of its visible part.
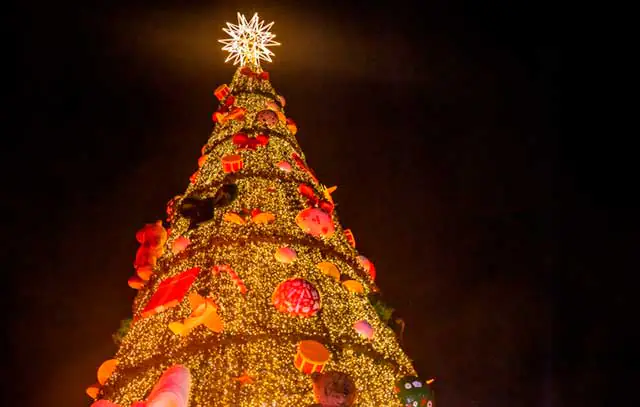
(254, 295)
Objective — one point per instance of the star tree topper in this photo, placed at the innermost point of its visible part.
(249, 41)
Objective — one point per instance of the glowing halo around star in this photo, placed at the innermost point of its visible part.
(249, 41)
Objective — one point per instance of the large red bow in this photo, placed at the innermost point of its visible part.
(244, 142)
(312, 200)
(248, 72)
(224, 114)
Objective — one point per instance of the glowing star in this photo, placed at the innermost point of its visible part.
(249, 41)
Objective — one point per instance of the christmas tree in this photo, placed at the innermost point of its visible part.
(253, 294)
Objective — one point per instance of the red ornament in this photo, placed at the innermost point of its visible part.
(311, 356)
(298, 160)
(291, 125)
(264, 75)
(315, 222)
(244, 142)
(222, 92)
(296, 297)
(170, 292)
(350, 238)
(232, 163)
(368, 266)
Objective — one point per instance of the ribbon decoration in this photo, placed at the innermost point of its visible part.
(234, 276)
(298, 160)
(246, 71)
(244, 142)
(223, 115)
(313, 200)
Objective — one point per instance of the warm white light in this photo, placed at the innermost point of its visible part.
(249, 41)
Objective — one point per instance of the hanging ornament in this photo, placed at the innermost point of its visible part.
(282, 100)
(171, 208)
(170, 292)
(350, 238)
(259, 217)
(333, 389)
(135, 282)
(291, 125)
(285, 255)
(179, 244)
(311, 356)
(329, 269)
(315, 222)
(246, 71)
(222, 92)
(106, 370)
(364, 329)
(234, 277)
(353, 286)
(244, 142)
(204, 312)
(232, 163)
(152, 238)
(297, 297)
(267, 117)
(93, 391)
(284, 166)
(413, 392)
(202, 160)
(368, 266)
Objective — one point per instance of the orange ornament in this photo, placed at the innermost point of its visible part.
(311, 357)
(354, 286)
(135, 282)
(329, 269)
(232, 163)
(93, 390)
(106, 369)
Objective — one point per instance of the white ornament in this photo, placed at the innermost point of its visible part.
(249, 41)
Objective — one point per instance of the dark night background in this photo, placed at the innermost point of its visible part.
(490, 224)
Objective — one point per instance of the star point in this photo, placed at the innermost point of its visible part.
(249, 41)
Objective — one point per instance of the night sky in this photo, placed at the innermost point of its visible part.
(441, 128)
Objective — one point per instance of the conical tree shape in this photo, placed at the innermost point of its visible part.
(256, 285)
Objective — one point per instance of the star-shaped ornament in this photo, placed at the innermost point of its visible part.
(249, 42)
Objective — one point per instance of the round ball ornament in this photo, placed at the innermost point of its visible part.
(413, 392)
(368, 266)
(315, 222)
(296, 297)
(364, 329)
(267, 118)
(285, 255)
(284, 166)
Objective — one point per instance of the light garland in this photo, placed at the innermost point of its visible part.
(250, 363)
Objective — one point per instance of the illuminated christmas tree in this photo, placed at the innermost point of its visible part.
(254, 295)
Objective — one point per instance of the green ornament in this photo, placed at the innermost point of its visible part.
(413, 392)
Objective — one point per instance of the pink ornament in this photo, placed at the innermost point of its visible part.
(267, 117)
(368, 266)
(315, 222)
(364, 329)
(180, 244)
(285, 255)
(296, 297)
(284, 166)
